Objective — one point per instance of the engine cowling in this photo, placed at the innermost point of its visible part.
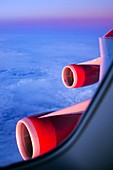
(74, 76)
(36, 136)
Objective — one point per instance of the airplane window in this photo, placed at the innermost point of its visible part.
(49, 73)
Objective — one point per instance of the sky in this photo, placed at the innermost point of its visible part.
(11, 9)
(94, 11)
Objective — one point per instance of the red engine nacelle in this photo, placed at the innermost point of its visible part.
(36, 136)
(74, 76)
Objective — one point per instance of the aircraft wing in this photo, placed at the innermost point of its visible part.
(37, 135)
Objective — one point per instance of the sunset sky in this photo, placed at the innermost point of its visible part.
(32, 10)
(10, 9)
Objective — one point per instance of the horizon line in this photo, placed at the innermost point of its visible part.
(59, 22)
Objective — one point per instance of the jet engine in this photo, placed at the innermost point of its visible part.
(37, 135)
(74, 76)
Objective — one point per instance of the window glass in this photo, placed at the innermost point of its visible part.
(34, 48)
